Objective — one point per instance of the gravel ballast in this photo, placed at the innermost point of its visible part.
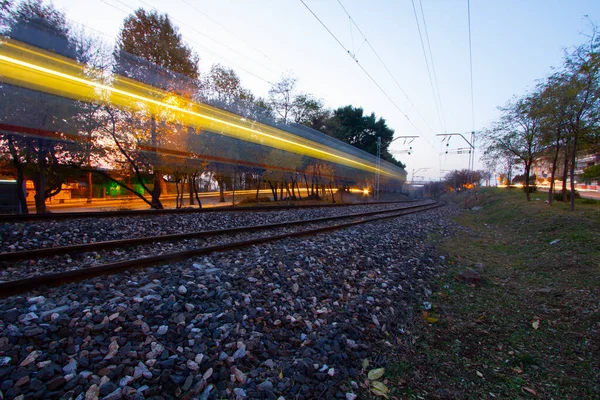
(292, 319)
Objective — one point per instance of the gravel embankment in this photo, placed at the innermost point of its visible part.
(42, 234)
(294, 318)
(60, 263)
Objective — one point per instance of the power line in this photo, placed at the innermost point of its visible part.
(229, 31)
(471, 64)
(427, 64)
(210, 38)
(385, 66)
(437, 86)
(206, 50)
(362, 68)
(472, 160)
(205, 35)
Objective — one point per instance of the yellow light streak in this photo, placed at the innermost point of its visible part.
(26, 66)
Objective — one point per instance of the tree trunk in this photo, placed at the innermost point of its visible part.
(156, 191)
(21, 195)
(221, 191)
(527, 171)
(298, 189)
(257, 188)
(280, 191)
(39, 182)
(293, 189)
(287, 188)
(565, 175)
(553, 172)
(273, 190)
(177, 195)
(191, 188)
(573, 165)
(195, 188)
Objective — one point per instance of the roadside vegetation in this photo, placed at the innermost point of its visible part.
(526, 323)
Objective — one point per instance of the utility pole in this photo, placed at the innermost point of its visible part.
(378, 165)
(378, 168)
(471, 145)
(417, 170)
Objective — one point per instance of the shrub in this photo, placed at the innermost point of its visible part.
(558, 195)
(252, 200)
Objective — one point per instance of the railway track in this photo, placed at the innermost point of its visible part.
(226, 239)
(7, 218)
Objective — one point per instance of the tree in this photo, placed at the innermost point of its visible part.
(591, 173)
(554, 135)
(152, 37)
(150, 49)
(582, 68)
(518, 132)
(349, 125)
(225, 87)
(42, 158)
(500, 160)
(306, 108)
(281, 98)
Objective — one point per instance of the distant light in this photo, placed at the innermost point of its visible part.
(366, 191)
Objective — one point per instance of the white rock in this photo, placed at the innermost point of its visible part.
(192, 365)
(182, 289)
(162, 330)
(30, 358)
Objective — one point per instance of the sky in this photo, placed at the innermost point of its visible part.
(514, 43)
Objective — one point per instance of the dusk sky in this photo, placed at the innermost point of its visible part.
(514, 43)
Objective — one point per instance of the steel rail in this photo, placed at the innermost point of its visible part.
(189, 210)
(22, 285)
(110, 244)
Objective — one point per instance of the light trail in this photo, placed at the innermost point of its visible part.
(26, 66)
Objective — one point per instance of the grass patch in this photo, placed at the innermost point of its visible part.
(531, 328)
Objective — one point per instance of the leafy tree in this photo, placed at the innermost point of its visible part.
(281, 98)
(582, 70)
(518, 131)
(349, 125)
(150, 49)
(41, 158)
(153, 37)
(591, 173)
(225, 87)
(306, 108)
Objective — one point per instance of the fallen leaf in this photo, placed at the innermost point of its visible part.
(365, 363)
(380, 389)
(376, 373)
(536, 324)
(517, 370)
(431, 319)
(479, 374)
(530, 391)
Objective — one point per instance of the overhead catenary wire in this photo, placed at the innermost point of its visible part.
(385, 66)
(437, 86)
(435, 97)
(182, 23)
(211, 38)
(365, 71)
(247, 43)
(203, 48)
(472, 155)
